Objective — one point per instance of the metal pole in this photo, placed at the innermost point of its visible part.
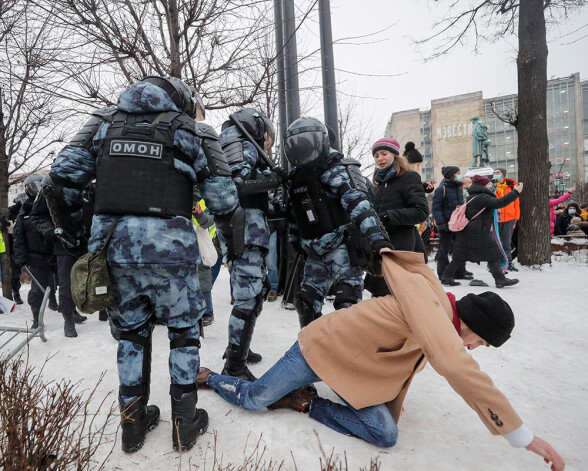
(328, 69)
(291, 63)
(279, 24)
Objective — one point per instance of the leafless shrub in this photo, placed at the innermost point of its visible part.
(49, 425)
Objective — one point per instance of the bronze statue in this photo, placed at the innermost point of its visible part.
(481, 143)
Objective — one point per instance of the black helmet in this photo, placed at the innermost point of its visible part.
(307, 139)
(32, 185)
(185, 97)
(20, 198)
(255, 124)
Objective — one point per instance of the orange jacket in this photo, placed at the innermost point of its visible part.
(513, 210)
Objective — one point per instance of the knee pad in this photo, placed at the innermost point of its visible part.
(346, 295)
(305, 299)
(183, 337)
(145, 341)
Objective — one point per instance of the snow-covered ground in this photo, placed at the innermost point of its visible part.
(543, 370)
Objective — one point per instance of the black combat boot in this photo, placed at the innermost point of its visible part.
(35, 318)
(235, 364)
(16, 297)
(78, 318)
(188, 422)
(503, 282)
(306, 313)
(253, 357)
(69, 326)
(137, 418)
(449, 282)
(102, 315)
(53, 301)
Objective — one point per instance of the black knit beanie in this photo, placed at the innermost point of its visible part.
(488, 315)
(449, 171)
(412, 155)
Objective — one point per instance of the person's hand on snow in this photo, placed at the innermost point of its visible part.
(544, 449)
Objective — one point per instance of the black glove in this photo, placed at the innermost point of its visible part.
(297, 247)
(381, 244)
(280, 172)
(443, 228)
(384, 216)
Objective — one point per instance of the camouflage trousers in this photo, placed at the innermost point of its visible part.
(248, 280)
(170, 295)
(330, 269)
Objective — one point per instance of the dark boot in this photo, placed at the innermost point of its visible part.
(69, 326)
(53, 302)
(298, 400)
(103, 316)
(188, 422)
(449, 282)
(78, 318)
(137, 418)
(35, 318)
(503, 282)
(235, 364)
(203, 375)
(16, 297)
(253, 357)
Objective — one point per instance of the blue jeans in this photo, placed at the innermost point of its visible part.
(373, 424)
(271, 261)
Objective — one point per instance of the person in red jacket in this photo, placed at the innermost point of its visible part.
(509, 215)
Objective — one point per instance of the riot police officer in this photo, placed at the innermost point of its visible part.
(332, 219)
(146, 155)
(32, 249)
(245, 139)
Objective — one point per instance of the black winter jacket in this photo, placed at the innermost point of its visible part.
(30, 247)
(401, 204)
(476, 243)
(445, 201)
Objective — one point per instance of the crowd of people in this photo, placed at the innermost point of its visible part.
(142, 175)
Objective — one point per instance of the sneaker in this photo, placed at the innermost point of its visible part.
(207, 320)
(511, 267)
(506, 282)
(450, 282)
(272, 296)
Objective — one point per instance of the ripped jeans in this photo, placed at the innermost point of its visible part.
(373, 424)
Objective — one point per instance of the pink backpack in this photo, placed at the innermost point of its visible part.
(458, 219)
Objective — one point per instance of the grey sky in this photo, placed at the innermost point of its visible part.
(493, 71)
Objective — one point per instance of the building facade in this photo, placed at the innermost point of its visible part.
(445, 132)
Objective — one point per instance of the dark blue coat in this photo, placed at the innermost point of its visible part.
(445, 201)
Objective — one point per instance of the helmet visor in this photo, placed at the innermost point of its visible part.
(304, 148)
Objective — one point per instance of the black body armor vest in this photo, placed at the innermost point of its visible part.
(36, 243)
(233, 150)
(316, 214)
(135, 168)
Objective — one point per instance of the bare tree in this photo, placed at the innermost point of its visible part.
(31, 112)
(492, 20)
(218, 46)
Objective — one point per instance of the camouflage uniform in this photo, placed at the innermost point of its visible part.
(248, 271)
(153, 260)
(328, 260)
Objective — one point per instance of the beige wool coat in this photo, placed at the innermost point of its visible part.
(370, 352)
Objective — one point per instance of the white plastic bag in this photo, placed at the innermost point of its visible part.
(208, 253)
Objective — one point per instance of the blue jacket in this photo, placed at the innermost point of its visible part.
(140, 241)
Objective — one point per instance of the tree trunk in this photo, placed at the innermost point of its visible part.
(4, 161)
(533, 148)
